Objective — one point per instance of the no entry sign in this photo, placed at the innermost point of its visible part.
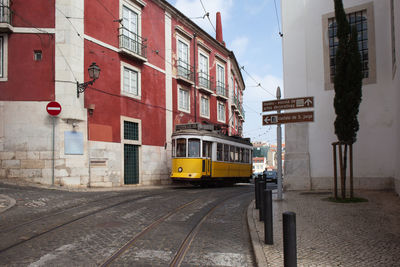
(53, 108)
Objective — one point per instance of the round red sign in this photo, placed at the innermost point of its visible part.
(53, 108)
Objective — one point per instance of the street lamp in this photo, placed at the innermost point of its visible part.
(94, 73)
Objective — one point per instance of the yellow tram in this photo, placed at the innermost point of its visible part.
(202, 155)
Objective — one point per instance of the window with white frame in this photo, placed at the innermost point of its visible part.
(204, 79)
(130, 30)
(183, 59)
(183, 100)
(205, 106)
(3, 57)
(221, 80)
(131, 81)
(221, 111)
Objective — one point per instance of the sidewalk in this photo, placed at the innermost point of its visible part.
(333, 234)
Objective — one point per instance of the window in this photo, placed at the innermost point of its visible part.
(131, 130)
(394, 65)
(221, 80)
(194, 148)
(173, 148)
(205, 107)
(207, 146)
(219, 151)
(130, 81)
(221, 112)
(231, 153)
(362, 18)
(203, 71)
(130, 28)
(184, 100)
(3, 57)
(37, 55)
(183, 59)
(181, 147)
(226, 152)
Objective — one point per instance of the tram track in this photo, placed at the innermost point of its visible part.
(35, 233)
(187, 241)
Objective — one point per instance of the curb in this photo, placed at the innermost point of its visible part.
(255, 238)
(6, 203)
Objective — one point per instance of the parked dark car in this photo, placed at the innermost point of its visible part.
(270, 176)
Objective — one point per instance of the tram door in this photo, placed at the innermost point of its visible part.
(207, 152)
(131, 164)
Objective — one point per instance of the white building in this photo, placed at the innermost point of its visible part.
(306, 52)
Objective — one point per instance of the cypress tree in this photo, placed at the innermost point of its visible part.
(348, 85)
(347, 80)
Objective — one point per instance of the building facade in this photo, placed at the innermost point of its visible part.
(158, 69)
(309, 45)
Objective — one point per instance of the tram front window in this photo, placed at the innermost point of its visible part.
(194, 148)
(181, 147)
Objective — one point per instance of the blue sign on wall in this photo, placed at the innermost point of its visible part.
(73, 143)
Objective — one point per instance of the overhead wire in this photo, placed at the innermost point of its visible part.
(207, 14)
(277, 19)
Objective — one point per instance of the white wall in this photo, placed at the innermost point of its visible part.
(308, 146)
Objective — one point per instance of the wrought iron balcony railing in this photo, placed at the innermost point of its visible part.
(5, 12)
(184, 70)
(221, 89)
(204, 80)
(133, 43)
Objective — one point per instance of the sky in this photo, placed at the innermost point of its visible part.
(250, 29)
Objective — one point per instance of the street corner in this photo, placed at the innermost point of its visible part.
(6, 203)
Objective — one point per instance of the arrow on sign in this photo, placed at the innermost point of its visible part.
(308, 102)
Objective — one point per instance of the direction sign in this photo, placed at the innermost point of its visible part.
(53, 108)
(288, 117)
(288, 103)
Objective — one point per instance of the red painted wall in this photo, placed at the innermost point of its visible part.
(33, 13)
(110, 104)
(29, 80)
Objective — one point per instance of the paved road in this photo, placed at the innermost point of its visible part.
(140, 227)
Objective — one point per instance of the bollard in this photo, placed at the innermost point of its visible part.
(256, 185)
(268, 222)
(289, 239)
(261, 185)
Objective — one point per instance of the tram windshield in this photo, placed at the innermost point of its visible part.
(181, 147)
(194, 148)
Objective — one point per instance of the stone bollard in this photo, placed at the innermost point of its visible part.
(289, 239)
(268, 222)
(261, 185)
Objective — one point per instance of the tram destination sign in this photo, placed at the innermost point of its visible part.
(288, 103)
(288, 117)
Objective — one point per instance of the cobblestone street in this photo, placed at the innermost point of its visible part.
(136, 227)
(333, 234)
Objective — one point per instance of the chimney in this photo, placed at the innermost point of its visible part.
(219, 29)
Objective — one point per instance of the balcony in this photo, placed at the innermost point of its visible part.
(204, 82)
(184, 73)
(6, 16)
(241, 113)
(235, 103)
(221, 90)
(133, 45)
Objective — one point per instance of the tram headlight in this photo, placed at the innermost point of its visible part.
(180, 169)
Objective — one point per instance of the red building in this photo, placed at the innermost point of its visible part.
(158, 69)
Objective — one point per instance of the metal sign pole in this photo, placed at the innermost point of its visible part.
(52, 170)
(279, 156)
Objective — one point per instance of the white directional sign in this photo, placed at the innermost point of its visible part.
(288, 103)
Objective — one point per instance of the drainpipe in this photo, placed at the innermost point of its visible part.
(194, 77)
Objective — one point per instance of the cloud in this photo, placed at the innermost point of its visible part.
(239, 47)
(194, 10)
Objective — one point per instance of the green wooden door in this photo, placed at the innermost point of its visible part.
(131, 162)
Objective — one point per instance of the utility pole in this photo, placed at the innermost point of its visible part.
(279, 141)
